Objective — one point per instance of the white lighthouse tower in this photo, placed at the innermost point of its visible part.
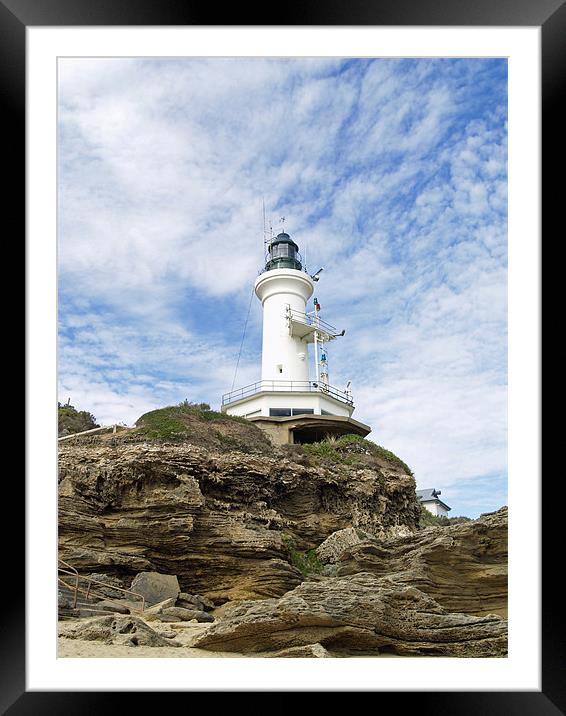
(288, 402)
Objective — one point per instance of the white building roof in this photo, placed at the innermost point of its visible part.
(431, 495)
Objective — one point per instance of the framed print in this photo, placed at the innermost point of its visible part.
(43, 45)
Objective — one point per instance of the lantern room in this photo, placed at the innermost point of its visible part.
(283, 253)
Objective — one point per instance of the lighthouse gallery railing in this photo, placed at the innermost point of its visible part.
(286, 386)
(310, 320)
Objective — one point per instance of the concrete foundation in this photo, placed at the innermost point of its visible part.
(308, 428)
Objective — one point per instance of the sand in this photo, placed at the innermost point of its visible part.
(76, 648)
(186, 634)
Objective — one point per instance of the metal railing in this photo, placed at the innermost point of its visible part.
(311, 320)
(286, 386)
(66, 569)
(92, 430)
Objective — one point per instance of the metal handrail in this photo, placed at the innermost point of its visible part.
(70, 570)
(87, 593)
(310, 320)
(67, 565)
(92, 430)
(308, 386)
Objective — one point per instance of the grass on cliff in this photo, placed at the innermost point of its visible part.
(352, 449)
(196, 423)
(171, 421)
(306, 562)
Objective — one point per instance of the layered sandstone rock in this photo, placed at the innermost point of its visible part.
(441, 592)
(360, 613)
(230, 525)
(312, 651)
(462, 566)
(215, 520)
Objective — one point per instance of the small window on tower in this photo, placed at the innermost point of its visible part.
(280, 368)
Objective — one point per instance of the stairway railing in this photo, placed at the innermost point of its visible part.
(112, 427)
(66, 569)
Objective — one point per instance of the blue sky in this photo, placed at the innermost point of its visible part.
(391, 173)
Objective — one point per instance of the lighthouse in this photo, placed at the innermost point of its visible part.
(293, 401)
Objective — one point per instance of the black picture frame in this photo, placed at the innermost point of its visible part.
(16, 16)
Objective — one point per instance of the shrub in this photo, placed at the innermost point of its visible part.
(71, 420)
(325, 450)
(306, 562)
(349, 449)
(203, 411)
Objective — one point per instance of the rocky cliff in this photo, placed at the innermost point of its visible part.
(304, 551)
(223, 522)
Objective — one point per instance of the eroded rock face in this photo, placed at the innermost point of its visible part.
(214, 520)
(462, 566)
(360, 613)
(222, 522)
(432, 594)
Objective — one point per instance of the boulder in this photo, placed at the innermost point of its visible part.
(156, 587)
(333, 546)
(110, 581)
(117, 629)
(195, 601)
(158, 608)
(168, 634)
(309, 651)
(180, 614)
(462, 566)
(112, 606)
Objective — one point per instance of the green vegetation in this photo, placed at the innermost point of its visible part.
(197, 424)
(326, 450)
(73, 421)
(306, 562)
(173, 422)
(429, 520)
(352, 449)
(203, 411)
(162, 423)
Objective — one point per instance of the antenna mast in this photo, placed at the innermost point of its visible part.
(267, 235)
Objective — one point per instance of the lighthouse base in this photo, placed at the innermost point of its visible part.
(308, 428)
(295, 412)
